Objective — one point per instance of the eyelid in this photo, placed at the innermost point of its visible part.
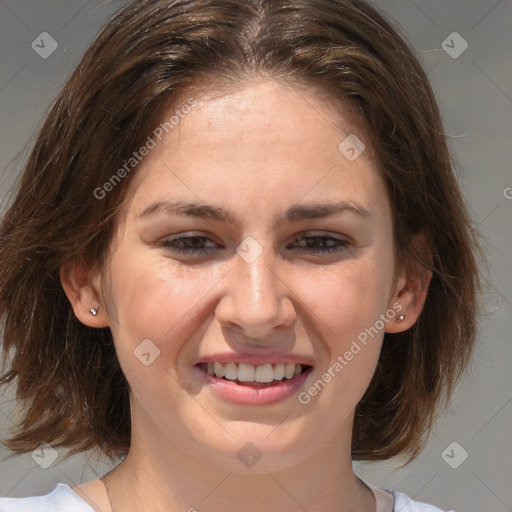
(342, 244)
(342, 237)
(192, 234)
(306, 234)
(316, 232)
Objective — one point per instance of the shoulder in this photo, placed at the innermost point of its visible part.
(61, 499)
(405, 504)
(402, 502)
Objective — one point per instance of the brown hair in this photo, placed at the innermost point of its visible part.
(67, 375)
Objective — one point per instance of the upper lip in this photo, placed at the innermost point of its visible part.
(256, 360)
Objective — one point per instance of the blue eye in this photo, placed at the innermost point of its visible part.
(193, 245)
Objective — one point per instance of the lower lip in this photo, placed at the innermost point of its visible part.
(249, 395)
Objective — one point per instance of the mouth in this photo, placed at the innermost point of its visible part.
(255, 376)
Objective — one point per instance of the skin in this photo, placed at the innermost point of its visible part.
(255, 150)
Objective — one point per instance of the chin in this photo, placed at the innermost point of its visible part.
(254, 449)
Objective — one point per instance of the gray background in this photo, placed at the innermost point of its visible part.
(475, 94)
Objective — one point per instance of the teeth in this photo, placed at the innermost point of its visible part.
(279, 371)
(218, 369)
(264, 373)
(245, 372)
(289, 370)
(231, 371)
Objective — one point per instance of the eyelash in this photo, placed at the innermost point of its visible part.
(171, 244)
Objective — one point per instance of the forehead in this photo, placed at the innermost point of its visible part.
(263, 142)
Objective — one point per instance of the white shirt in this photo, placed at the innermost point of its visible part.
(64, 499)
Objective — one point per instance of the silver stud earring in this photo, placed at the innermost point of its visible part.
(400, 318)
(94, 311)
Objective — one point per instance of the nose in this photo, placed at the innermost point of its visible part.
(256, 300)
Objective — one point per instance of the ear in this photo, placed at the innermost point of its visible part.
(82, 286)
(411, 291)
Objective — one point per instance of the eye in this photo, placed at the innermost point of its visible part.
(321, 244)
(189, 245)
(195, 245)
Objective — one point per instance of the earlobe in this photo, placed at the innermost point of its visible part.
(82, 287)
(411, 292)
(411, 297)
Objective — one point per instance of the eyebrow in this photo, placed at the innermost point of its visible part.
(294, 214)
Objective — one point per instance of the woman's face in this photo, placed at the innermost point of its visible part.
(255, 283)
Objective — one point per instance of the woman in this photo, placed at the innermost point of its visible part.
(238, 257)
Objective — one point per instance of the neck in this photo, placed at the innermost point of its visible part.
(161, 475)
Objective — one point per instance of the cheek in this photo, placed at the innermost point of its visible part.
(349, 302)
(156, 299)
(350, 297)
